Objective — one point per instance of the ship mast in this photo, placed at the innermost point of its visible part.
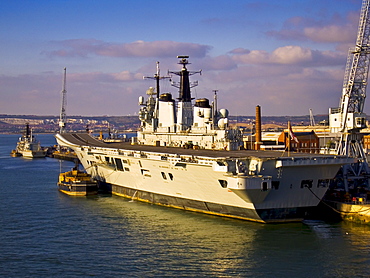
(184, 107)
(157, 78)
(63, 116)
(185, 85)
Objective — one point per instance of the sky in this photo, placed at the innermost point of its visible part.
(287, 56)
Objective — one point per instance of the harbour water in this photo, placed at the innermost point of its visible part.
(45, 233)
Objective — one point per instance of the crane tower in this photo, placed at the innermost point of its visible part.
(63, 116)
(348, 119)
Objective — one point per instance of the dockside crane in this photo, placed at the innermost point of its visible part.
(63, 116)
(349, 119)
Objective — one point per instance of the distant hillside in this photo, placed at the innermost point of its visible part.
(49, 124)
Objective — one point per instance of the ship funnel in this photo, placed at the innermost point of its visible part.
(28, 130)
(258, 142)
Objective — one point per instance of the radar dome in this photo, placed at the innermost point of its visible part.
(224, 113)
(150, 91)
(221, 123)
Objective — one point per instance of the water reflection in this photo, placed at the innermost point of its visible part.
(175, 239)
(190, 243)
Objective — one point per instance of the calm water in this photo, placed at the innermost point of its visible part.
(45, 233)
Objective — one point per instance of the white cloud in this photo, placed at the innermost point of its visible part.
(289, 55)
(124, 76)
(86, 47)
(329, 30)
(331, 33)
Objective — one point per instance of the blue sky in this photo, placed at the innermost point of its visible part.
(286, 56)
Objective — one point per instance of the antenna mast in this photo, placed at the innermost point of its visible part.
(157, 77)
(312, 119)
(63, 116)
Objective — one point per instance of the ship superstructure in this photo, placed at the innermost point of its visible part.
(167, 122)
(180, 159)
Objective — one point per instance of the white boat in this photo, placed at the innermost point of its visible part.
(210, 173)
(27, 146)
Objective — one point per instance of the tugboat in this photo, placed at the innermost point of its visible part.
(27, 146)
(77, 183)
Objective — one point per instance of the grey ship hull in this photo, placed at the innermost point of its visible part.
(274, 215)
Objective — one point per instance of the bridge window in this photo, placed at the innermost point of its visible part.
(275, 184)
(264, 186)
(119, 164)
(306, 183)
(223, 183)
(145, 173)
(323, 183)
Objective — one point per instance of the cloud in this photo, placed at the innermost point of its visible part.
(332, 33)
(280, 90)
(86, 47)
(333, 30)
(239, 51)
(39, 94)
(289, 55)
(285, 81)
(222, 62)
(99, 77)
(124, 76)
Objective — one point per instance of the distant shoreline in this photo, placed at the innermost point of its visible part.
(36, 133)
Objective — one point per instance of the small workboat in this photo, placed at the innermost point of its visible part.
(77, 183)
